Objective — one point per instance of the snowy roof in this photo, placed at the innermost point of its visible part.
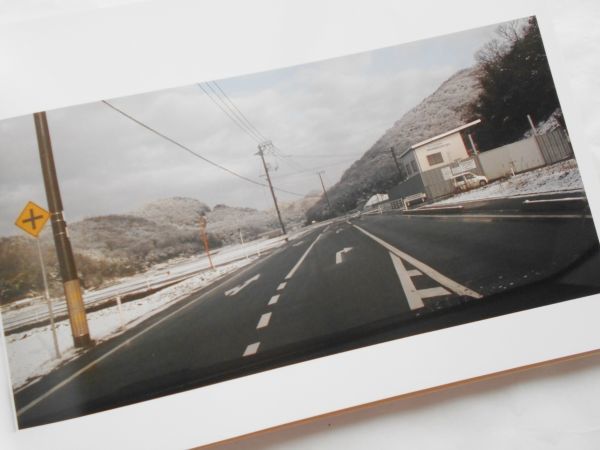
(440, 136)
(377, 198)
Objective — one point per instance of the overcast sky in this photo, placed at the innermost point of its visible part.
(327, 114)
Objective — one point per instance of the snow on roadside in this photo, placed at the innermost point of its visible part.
(560, 177)
(31, 353)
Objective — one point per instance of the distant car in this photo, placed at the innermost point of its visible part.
(468, 180)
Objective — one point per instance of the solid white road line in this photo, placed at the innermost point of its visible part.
(251, 349)
(556, 200)
(429, 271)
(503, 216)
(414, 273)
(264, 320)
(303, 257)
(433, 292)
(274, 299)
(281, 287)
(413, 299)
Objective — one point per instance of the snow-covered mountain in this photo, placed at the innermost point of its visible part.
(179, 211)
(443, 110)
(170, 227)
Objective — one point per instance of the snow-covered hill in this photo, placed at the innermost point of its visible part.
(443, 110)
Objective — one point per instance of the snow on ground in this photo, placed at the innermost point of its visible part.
(31, 353)
(560, 177)
(34, 309)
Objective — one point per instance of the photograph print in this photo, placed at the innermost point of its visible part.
(166, 241)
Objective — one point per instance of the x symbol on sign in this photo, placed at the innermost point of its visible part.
(32, 218)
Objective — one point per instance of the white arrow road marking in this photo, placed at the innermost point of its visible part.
(429, 271)
(237, 289)
(338, 255)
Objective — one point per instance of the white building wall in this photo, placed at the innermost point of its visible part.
(451, 148)
(518, 156)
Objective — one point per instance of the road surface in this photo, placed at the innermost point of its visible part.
(350, 283)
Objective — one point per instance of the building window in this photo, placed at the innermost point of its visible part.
(435, 158)
(413, 163)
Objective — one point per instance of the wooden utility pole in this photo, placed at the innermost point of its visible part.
(325, 190)
(397, 163)
(261, 152)
(64, 252)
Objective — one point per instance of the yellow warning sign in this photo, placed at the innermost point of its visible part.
(32, 219)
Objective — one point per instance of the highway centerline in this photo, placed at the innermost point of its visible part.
(264, 320)
(424, 268)
(218, 285)
(303, 257)
(251, 349)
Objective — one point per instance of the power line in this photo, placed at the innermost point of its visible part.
(241, 114)
(312, 169)
(339, 155)
(197, 155)
(241, 120)
(226, 111)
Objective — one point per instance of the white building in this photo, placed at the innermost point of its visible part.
(436, 152)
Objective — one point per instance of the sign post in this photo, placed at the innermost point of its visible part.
(205, 240)
(32, 220)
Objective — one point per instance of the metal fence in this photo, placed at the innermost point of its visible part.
(555, 146)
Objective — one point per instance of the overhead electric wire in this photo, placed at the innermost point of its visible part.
(226, 111)
(189, 150)
(312, 169)
(231, 110)
(241, 114)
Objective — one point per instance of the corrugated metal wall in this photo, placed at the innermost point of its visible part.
(518, 157)
(555, 146)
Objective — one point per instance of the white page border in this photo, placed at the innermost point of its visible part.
(77, 58)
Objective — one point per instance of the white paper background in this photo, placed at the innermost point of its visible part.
(80, 56)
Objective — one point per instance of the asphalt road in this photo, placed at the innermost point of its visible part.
(347, 284)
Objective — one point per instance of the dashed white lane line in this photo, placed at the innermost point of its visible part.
(303, 257)
(429, 271)
(264, 320)
(123, 344)
(274, 299)
(281, 287)
(251, 349)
